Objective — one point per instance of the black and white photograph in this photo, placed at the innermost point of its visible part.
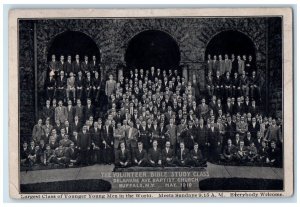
(152, 103)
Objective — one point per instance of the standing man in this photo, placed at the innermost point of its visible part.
(84, 145)
(61, 113)
(110, 86)
(76, 65)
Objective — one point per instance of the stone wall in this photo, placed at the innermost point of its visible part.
(274, 67)
(26, 81)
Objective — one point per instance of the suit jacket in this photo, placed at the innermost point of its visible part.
(172, 134)
(213, 137)
(80, 82)
(96, 136)
(253, 129)
(170, 154)
(196, 155)
(76, 66)
(61, 114)
(154, 155)
(201, 135)
(235, 66)
(89, 111)
(94, 66)
(84, 140)
(107, 135)
(47, 112)
(185, 154)
(139, 155)
(61, 82)
(37, 132)
(85, 67)
(239, 108)
(72, 154)
(123, 156)
(68, 67)
(230, 130)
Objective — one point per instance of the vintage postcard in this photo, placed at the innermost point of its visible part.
(151, 103)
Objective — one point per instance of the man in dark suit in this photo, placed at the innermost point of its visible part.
(85, 65)
(61, 63)
(197, 159)
(188, 136)
(68, 66)
(47, 112)
(123, 157)
(144, 136)
(72, 155)
(50, 85)
(139, 157)
(201, 137)
(76, 65)
(154, 155)
(183, 157)
(94, 65)
(70, 112)
(230, 129)
(229, 152)
(253, 128)
(84, 145)
(88, 85)
(215, 142)
(89, 109)
(168, 157)
(80, 84)
(96, 143)
(107, 143)
(61, 85)
(235, 64)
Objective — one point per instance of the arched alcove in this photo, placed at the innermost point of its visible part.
(152, 48)
(230, 42)
(72, 43)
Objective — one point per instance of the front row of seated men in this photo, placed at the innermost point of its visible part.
(154, 157)
(159, 158)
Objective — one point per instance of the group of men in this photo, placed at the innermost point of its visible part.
(153, 118)
(233, 77)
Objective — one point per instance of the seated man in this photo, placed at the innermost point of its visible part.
(140, 156)
(252, 152)
(65, 141)
(24, 154)
(197, 159)
(168, 156)
(48, 156)
(274, 158)
(183, 157)
(229, 152)
(60, 157)
(123, 157)
(242, 152)
(154, 155)
(72, 155)
(31, 154)
(263, 153)
(38, 154)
